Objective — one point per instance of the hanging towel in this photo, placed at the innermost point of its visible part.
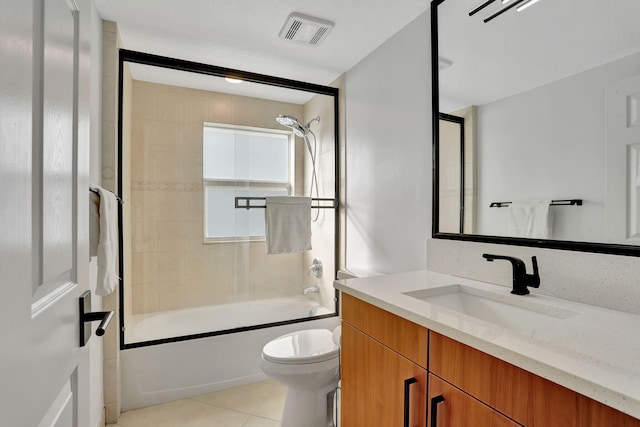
(94, 223)
(288, 224)
(107, 242)
(533, 218)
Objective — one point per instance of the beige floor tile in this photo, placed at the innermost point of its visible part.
(261, 422)
(213, 416)
(165, 415)
(252, 405)
(263, 399)
(273, 405)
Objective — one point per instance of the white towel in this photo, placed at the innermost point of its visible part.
(288, 224)
(94, 223)
(533, 219)
(107, 243)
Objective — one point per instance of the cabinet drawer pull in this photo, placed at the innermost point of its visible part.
(434, 409)
(407, 394)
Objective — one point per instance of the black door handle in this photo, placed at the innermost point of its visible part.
(434, 409)
(407, 400)
(86, 317)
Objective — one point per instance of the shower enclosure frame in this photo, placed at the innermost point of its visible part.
(216, 71)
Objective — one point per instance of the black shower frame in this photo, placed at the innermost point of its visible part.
(212, 70)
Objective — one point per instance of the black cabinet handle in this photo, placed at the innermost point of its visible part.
(407, 400)
(434, 409)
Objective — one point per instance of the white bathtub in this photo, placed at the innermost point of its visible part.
(189, 321)
(165, 372)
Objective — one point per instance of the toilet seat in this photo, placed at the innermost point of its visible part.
(301, 347)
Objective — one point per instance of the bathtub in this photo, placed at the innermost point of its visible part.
(161, 373)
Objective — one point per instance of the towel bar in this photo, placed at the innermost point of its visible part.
(247, 203)
(568, 202)
(117, 197)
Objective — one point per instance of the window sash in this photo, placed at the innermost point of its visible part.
(229, 224)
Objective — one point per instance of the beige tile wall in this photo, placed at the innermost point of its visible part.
(111, 344)
(323, 230)
(172, 267)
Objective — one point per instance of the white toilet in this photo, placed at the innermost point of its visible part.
(308, 363)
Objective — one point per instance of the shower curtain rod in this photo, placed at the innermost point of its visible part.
(568, 202)
(247, 203)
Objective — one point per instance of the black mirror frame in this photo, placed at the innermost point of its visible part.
(604, 248)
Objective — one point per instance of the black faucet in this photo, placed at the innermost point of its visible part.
(520, 277)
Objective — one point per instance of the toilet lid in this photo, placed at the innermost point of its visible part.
(308, 346)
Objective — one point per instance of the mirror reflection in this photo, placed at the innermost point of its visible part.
(550, 98)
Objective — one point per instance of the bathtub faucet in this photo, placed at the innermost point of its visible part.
(315, 289)
(316, 268)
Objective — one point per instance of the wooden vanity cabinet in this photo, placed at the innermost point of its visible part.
(451, 407)
(380, 351)
(520, 395)
(375, 383)
(381, 356)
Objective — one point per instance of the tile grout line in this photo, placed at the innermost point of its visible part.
(235, 410)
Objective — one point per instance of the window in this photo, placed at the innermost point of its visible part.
(241, 161)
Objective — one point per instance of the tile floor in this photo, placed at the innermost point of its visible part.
(252, 405)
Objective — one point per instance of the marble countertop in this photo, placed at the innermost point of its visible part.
(595, 352)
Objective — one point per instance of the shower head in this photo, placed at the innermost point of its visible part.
(294, 124)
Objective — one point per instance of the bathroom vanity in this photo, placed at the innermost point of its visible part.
(411, 357)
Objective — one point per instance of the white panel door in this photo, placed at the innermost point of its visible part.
(43, 250)
(623, 161)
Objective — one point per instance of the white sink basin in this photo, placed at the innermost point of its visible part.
(513, 312)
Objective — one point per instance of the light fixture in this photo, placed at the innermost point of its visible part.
(526, 5)
(503, 10)
(233, 80)
(482, 6)
(520, 5)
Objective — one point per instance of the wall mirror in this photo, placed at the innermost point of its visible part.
(547, 94)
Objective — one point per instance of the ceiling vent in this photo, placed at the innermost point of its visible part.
(305, 29)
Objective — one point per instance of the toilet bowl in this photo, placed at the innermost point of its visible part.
(307, 362)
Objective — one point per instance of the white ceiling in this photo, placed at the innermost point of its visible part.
(243, 34)
(518, 51)
(548, 41)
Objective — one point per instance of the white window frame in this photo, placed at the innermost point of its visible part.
(209, 182)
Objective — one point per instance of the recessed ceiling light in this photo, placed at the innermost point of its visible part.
(233, 80)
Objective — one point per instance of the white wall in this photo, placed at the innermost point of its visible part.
(388, 146)
(549, 143)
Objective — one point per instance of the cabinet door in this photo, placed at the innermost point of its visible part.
(373, 384)
(451, 407)
(521, 395)
(400, 335)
